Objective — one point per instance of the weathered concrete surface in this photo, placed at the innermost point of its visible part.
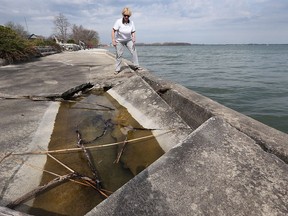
(27, 124)
(151, 111)
(8, 212)
(217, 170)
(230, 165)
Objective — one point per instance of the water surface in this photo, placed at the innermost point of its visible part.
(251, 79)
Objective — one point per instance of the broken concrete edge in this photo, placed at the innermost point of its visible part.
(195, 108)
(217, 170)
(151, 111)
(70, 94)
(222, 127)
(9, 212)
(208, 108)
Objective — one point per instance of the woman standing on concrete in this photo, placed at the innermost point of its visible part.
(123, 34)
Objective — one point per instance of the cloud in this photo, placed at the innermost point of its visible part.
(195, 21)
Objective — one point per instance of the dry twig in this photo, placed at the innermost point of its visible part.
(121, 151)
(89, 147)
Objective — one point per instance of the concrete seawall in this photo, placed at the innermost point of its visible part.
(216, 162)
(196, 109)
(229, 164)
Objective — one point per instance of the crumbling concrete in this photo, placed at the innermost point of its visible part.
(28, 112)
(225, 163)
(151, 111)
(230, 165)
(217, 170)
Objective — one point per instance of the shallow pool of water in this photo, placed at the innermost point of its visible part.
(95, 115)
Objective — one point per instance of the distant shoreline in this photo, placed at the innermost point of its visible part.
(189, 44)
(165, 44)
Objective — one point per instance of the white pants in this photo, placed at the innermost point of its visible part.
(119, 52)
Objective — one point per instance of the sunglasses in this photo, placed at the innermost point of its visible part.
(126, 15)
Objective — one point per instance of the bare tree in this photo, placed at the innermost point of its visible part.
(61, 26)
(19, 29)
(89, 37)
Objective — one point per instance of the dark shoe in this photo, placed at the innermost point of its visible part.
(138, 68)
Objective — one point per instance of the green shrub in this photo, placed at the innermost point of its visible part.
(71, 41)
(44, 43)
(13, 48)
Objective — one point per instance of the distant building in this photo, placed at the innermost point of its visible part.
(33, 37)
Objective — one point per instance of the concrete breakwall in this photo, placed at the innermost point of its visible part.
(196, 109)
(227, 164)
(216, 162)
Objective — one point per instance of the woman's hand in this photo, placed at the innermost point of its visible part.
(113, 37)
(133, 37)
(114, 42)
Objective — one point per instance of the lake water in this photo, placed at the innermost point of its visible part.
(251, 79)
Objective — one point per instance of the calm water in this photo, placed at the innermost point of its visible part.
(251, 79)
(90, 115)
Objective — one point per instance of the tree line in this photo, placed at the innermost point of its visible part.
(15, 46)
(75, 34)
(64, 31)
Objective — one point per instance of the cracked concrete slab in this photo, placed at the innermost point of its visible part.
(228, 165)
(151, 111)
(217, 170)
(27, 124)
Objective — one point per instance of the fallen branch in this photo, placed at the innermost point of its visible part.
(88, 182)
(40, 189)
(121, 151)
(89, 160)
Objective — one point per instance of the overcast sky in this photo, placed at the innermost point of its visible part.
(193, 21)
